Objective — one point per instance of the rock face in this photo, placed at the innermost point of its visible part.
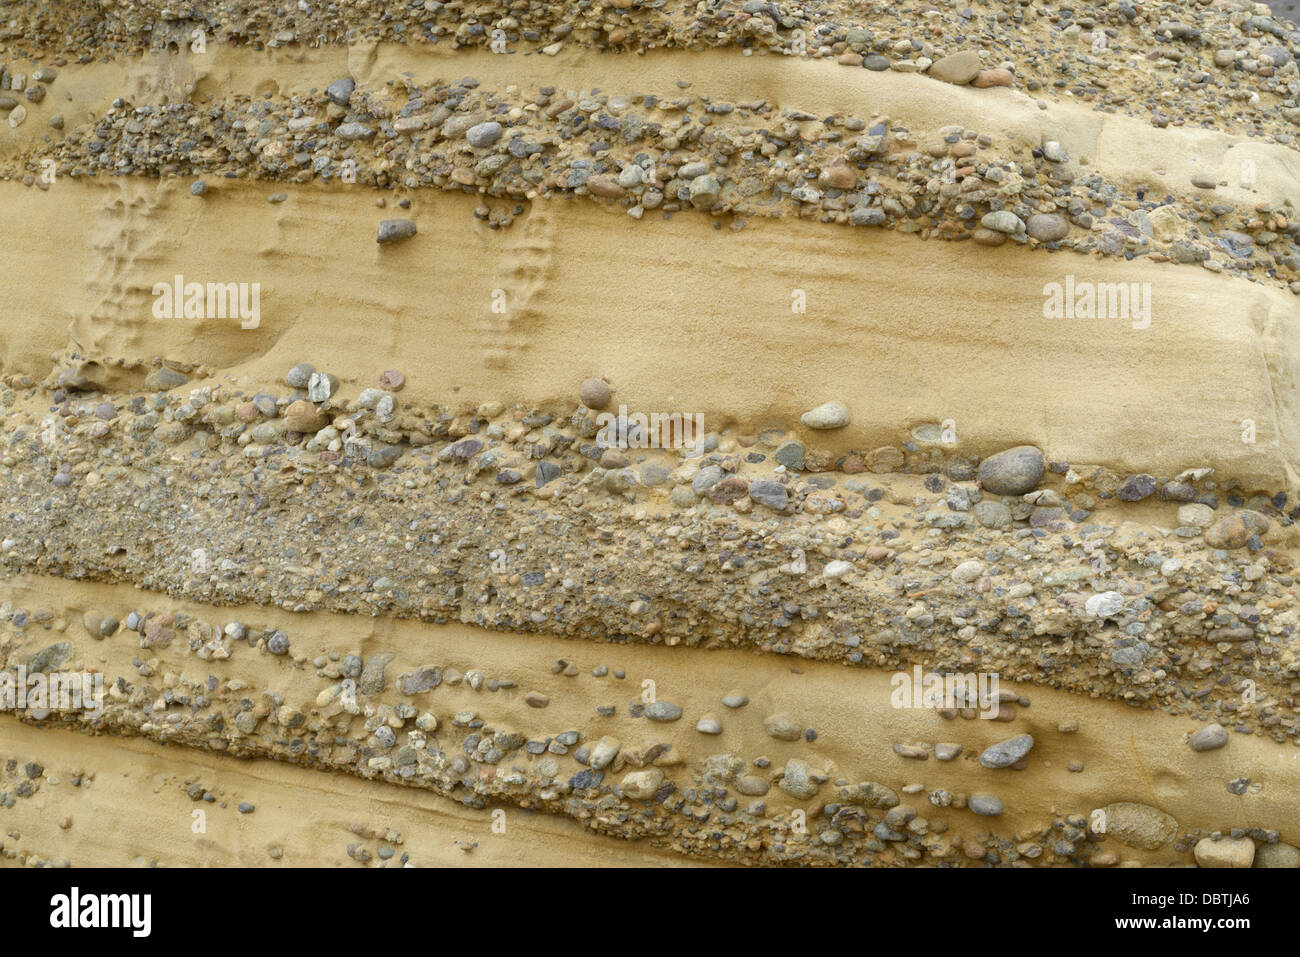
(1137, 825)
(1013, 472)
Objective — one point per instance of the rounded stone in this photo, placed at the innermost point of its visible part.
(640, 785)
(1137, 825)
(985, 805)
(1226, 852)
(1047, 227)
(300, 375)
(301, 416)
(1234, 531)
(709, 725)
(1006, 753)
(663, 711)
(1209, 738)
(1003, 221)
(780, 726)
(832, 415)
(959, 68)
(594, 393)
(992, 514)
(395, 230)
(1277, 855)
(1196, 515)
(484, 134)
(1013, 472)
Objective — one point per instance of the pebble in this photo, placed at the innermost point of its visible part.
(1196, 515)
(340, 91)
(1003, 221)
(662, 711)
(791, 455)
(837, 569)
(798, 780)
(484, 134)
(1107, 604)
(1008, 752)
(303, 417)
(709, 725)
(780, 726)
(992, 514)
(1208, 738)
(832, 415)
(603, 752)
(299, 375)
(395, 230)
(1225, 852)
(735, 699)
(1138, 825)
(1047, 227)
(1234, 531)
(959, 68)
(1277, 855)
(1013, 472)
(640, 785)
(164, 380)
(1135, 488)
(770, 494)
(351, 132)
(321, 386)
(985, 805)
(991, 78)
(594, 393)
(968, 571)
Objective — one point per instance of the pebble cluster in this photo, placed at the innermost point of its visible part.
(368, 721)
(751, 159)
(506, 519)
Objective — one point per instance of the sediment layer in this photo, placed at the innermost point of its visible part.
(364, 580)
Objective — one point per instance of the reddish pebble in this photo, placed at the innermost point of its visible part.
(987, 78)
(392, 380)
